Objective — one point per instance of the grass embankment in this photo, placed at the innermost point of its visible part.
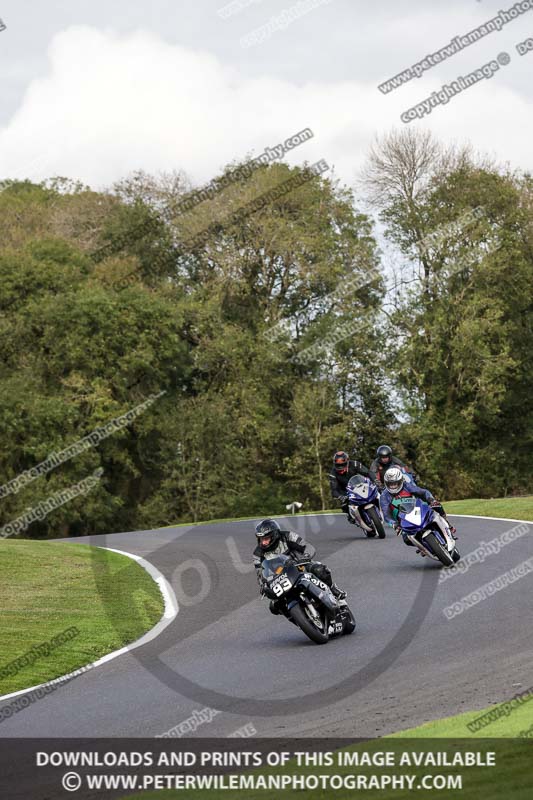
(510, 777)
(511, 507)
(507, 722)
(47, 588)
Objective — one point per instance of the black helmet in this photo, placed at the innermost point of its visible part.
(341, 461)
(384, 454)
(268, 534)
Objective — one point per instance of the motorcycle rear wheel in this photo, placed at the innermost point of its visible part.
(349, 623)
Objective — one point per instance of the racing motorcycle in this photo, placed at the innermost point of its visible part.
(305, 600)
(431, 536)
(363, 506)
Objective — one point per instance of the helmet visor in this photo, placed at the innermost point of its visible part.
(341, 464)
(394, 486)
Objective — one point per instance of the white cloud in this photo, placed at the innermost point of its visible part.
(113, 103)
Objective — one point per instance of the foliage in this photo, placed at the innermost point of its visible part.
(110, 297)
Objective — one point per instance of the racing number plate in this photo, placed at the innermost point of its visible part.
(281, 585)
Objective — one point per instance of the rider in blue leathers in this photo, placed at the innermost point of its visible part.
(395, 487)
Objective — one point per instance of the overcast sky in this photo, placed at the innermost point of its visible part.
(94, 90)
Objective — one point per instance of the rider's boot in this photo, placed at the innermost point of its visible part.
(338, 593)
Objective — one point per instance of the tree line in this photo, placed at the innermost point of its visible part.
(274, 325)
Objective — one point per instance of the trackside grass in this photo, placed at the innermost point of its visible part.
(503, 722)
(48, 588)
(511, 507)
(510, 777)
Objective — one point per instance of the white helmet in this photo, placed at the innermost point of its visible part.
(394, 480)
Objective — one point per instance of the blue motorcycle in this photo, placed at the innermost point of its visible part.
(426, 530)
(363, 506)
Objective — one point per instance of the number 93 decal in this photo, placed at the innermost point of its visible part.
(281, 585)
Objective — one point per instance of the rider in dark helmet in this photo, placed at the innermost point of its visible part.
(343, 469)
(273, 541)
(385, 459)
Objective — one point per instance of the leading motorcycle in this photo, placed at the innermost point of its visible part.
(305, 600)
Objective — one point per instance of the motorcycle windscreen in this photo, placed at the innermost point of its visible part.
(358, 488)
(274, 566)
(414, 513)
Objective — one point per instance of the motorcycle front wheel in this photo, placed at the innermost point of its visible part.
(302, 619)
(437, 549)
(376, 522)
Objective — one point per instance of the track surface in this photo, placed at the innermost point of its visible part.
(225, 640)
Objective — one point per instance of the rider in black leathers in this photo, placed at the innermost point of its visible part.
(384, 460)
(273, 541)
(343, 469)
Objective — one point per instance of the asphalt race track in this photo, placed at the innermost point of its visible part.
(405, 664)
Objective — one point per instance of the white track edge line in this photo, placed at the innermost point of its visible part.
(501, 519)
(170, 613)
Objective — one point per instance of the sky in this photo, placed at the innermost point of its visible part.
(94, 90)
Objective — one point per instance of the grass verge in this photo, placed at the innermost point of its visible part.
(506, 722)
(509, 777)
(48, 587)
(511, 507)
